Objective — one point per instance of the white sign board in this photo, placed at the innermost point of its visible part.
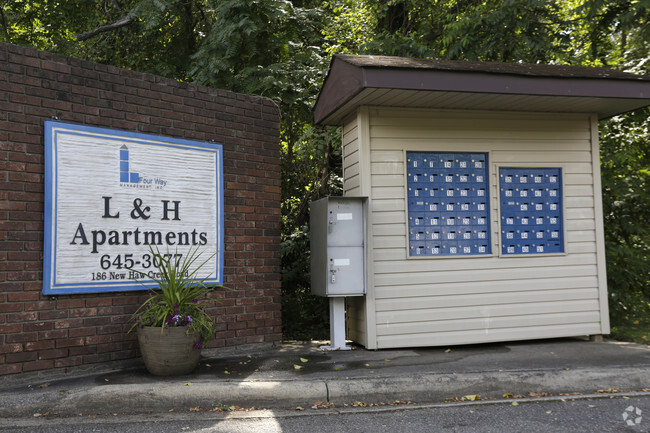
(112, 196)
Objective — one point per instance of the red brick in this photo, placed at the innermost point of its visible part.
(83, 312)
(22, 276)
(21, 357)
(83, 350)
(39, 345)
(11, 308)
(53, 315)
(99, 339)
(237, 325)
(10, 369)
(70, 361)
(69, 342)
(112, 329)
(39, 306)
(21, 337)
(81, 332)
(110, 311)
(54, 335)
(69, 303)
(254, 339)
(97, 321)
(53, 353)
(68, 323)
(22, 317)
(111, 348)
(38, 326)
(11, 348)
(21, 297)
(98, 302)
(127, 300)
(11, 205)
(83, 92)
(38, 365)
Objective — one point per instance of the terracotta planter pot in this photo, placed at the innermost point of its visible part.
(168, 351)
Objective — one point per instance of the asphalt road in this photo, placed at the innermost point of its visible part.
(611, 413)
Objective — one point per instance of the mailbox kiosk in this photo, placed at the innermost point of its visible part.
(338, 267)
(484, 211)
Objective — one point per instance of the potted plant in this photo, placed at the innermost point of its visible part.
(171, 324)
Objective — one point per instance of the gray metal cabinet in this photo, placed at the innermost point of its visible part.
(338, 239)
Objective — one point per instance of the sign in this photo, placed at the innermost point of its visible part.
(113, 196)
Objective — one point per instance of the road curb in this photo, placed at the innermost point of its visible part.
(279, 394)
(439, 387)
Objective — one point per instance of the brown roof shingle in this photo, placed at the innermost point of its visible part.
(353, 81)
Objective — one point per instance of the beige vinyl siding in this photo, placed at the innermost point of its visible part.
(351, 168)
(356, 317)
(443, 301)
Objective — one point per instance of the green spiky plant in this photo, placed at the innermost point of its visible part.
(176, 303)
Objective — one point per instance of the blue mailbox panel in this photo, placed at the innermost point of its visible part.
(448, 211)
(531, 210)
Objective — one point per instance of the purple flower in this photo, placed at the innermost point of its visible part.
(198, 345)
(176, 306)
(187, 321)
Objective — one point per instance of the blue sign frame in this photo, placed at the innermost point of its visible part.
(124, 180)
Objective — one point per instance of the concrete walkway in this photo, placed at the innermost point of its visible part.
(296, 374)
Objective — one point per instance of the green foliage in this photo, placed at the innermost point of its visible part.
(505, 31)
(177, 299)
(636, 329)
(43, 24)
(493, 30)
(625, 161)
(617, 33)
(305, 316)
(281, 49)
(311, 169)
(261, 47)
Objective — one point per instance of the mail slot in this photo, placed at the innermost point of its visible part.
(455, 204)
(538, 216)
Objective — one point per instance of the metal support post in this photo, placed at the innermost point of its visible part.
(337, 325)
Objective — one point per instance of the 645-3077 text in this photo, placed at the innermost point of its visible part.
(128, 261)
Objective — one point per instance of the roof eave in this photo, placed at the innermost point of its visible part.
(346, 80)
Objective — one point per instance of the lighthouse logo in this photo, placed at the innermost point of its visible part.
(126, 175)
(134, 179)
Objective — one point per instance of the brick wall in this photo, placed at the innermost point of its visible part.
(40, 332)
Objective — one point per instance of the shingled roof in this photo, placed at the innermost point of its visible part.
(426, 83)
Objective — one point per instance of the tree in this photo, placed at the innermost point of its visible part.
(281, 49)
(614, 34)
(617, 34)
(625, 161)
